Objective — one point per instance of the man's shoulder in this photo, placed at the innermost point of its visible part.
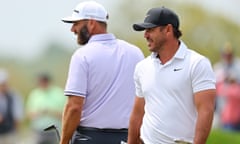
(145, 62)
(84, 50)
(13, 93)
(130, 47)
(56, 89)
(190, 52)
(35, 92)
(124, 43)
(195, 55)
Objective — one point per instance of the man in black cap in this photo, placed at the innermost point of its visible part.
(175, 87)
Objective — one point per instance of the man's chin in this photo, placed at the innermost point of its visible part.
(81, 42)
(151, 49)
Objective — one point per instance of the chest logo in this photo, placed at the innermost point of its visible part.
(177, 69)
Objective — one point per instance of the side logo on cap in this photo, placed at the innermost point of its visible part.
(147, 16)
(76, 11)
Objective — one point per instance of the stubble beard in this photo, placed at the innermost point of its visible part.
(158, 44)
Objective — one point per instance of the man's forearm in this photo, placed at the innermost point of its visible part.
(136, 121)
(205, 103)
(134, 132)
(134, 129)
(70, 121)
(203, 127)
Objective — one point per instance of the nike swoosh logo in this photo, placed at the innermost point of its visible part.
(177, 69)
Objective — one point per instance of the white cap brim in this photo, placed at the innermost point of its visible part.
(71, 19)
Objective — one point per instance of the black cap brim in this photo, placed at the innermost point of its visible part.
(143, 26)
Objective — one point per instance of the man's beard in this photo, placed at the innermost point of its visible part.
(83, 35)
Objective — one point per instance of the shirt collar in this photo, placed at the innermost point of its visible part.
(154, 55)
(179, 54)
(102, 37)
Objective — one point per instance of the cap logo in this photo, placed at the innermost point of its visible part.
(147, 16)
(76, 11)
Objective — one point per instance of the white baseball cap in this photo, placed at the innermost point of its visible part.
(87, 10)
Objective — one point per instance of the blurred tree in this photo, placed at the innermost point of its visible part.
(54, 59)
(203, 31)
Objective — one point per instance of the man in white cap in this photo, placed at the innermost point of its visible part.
(100, 85)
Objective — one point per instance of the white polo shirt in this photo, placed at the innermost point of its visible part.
(170, 113)
(102, 73)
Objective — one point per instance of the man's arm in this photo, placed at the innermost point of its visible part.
(136, 121)
(71, 117)
(205, 102)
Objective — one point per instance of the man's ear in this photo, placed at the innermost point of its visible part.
(91, 25)
(169, 29)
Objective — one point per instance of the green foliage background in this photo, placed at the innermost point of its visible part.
(202, 31)
(218, 136)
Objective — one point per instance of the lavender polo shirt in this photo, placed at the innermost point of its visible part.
(102, 73)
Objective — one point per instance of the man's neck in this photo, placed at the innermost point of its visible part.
(169, 51)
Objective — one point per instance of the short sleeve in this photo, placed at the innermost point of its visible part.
(77, 76)
(203, 77)
(138, 87)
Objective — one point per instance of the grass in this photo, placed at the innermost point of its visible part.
(218, 136)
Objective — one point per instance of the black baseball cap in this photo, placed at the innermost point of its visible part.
(160, 16)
